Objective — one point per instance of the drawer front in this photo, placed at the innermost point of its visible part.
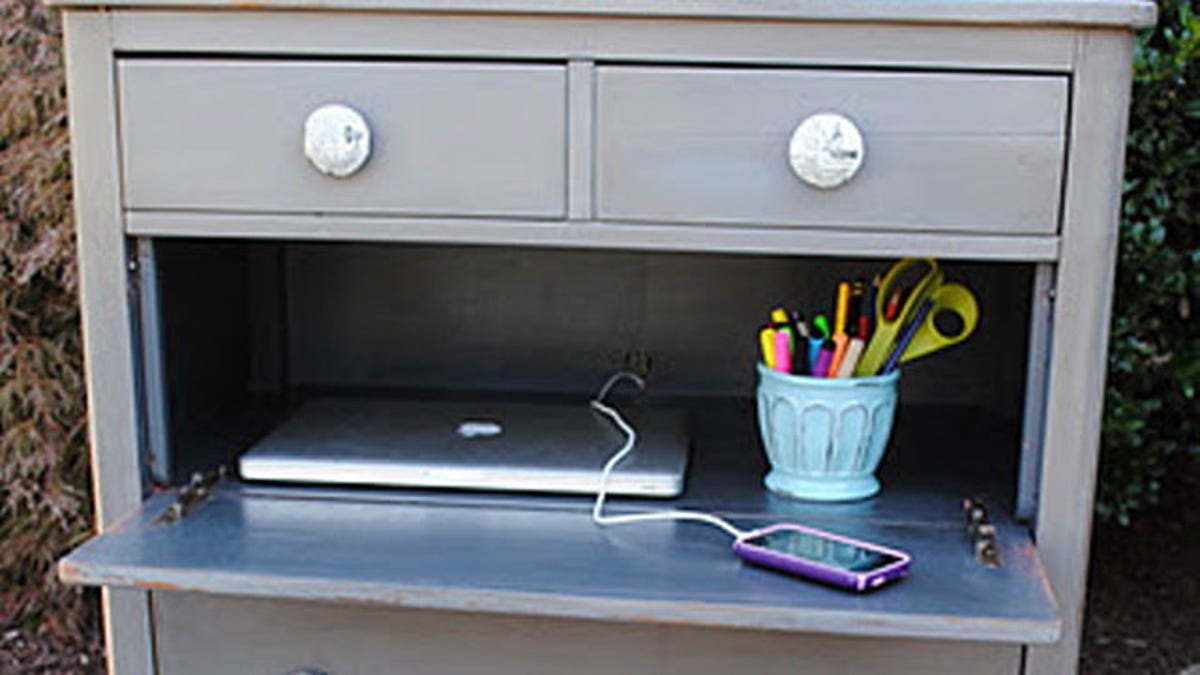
(942, 151)
(207, 635)
(445, 139)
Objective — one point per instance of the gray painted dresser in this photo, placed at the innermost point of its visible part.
(553, 185)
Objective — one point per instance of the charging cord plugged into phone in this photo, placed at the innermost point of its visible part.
(787, 547)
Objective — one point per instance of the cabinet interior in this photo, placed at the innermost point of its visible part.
(236, 334)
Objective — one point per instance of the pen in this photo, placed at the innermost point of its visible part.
(909, 331)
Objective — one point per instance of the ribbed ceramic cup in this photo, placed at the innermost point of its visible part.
(824, 436)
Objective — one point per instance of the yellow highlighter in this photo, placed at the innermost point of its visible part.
(840, 340)
(766, 341)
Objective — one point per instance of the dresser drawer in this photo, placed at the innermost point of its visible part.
(444, 138)
(942, 151)
(199, 634)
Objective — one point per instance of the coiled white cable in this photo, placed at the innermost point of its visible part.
(617, 419)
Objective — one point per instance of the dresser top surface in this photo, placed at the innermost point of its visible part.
(1116, 13)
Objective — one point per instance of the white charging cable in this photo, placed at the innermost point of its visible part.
(616, 418)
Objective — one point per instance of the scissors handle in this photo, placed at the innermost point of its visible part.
(953, 298)
(888, 332)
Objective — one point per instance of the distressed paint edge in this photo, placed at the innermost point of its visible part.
(1082, 312)
(845, 623)
(598, 235)
(105, 321)
(1110, 13)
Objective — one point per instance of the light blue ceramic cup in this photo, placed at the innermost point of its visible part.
(825, 437)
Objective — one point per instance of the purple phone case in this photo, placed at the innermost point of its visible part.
(856, 581)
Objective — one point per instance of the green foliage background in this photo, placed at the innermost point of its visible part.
(1151, 414)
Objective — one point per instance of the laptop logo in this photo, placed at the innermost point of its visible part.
(479, 429)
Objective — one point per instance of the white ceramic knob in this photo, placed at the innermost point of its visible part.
(826, 150)
(337, 140)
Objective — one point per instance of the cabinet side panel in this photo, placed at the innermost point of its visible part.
(1081, 318)
(105, 301)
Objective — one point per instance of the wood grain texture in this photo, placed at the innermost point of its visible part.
(1081, 320)
(106, 317)
(1027, 48)
(647, 236)
(944, 152)
(555, 562)
(203, 635)
(212, 134)
(265, 544)
(581, 145)
(1131, 13)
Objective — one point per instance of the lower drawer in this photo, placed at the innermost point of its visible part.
(210, 635)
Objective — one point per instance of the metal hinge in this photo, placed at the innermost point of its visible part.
(196, 492)
(982, 533)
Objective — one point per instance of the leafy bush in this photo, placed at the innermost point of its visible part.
(1151, 411)
(44, 502)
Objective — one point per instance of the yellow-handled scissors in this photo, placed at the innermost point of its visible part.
(925, 337)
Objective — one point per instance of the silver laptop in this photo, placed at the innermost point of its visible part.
(482, 446)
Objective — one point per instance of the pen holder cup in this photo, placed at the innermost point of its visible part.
(824, 437)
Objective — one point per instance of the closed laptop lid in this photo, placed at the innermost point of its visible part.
(486, 445)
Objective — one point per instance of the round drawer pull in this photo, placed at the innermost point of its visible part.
(337, 140)
(826, 150)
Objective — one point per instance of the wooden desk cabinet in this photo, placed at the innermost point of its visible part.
(553, 185)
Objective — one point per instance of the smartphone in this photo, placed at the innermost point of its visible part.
(823, 556)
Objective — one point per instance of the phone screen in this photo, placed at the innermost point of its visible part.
(818, 549)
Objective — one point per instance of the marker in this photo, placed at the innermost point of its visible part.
(894, 360)
(841, 308)
(780, 315)
(814, 354)
(840, 339)
(766, 341)
(853, 353)
(841, 342)
(783, 351)
(781, 320)
(822, 325)
(801, 359)
(823, 359)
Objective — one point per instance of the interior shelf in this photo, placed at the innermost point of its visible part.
(542, 555)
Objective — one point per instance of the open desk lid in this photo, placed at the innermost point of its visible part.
(552, 561)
